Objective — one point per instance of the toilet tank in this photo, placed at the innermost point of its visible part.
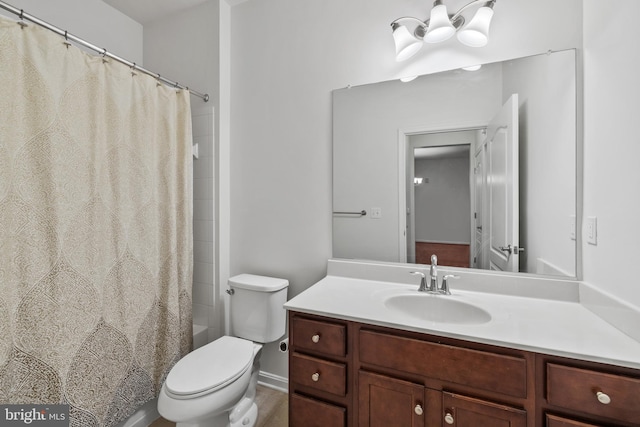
(256, 308)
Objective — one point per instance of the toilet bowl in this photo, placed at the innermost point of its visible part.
(214, 386)
(197, 392)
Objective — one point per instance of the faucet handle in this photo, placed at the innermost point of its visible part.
(445, 283)
(423, 280)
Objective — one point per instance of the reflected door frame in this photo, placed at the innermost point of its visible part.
(403, 169)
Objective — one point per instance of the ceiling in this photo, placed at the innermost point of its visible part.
(145, 11)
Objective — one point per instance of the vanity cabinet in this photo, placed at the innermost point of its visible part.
(452, 385)
(344, 373)
(319, 360)
(578, 393)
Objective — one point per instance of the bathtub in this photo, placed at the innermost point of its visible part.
(200, 336)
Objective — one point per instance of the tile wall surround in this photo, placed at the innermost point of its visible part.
(203, 225)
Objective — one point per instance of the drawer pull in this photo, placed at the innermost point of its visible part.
(448, 418)
(418, 410)
(315, 338)
(315, 377)
(603, 398)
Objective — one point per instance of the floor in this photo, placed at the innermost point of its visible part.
(273, 409)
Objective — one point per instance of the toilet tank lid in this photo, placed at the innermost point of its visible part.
(253, 282)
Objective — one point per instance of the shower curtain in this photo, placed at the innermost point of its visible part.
(95, 229)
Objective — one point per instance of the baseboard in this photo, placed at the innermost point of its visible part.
(144, 416)
(275, 382)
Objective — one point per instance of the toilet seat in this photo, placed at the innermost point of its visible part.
(210, 367)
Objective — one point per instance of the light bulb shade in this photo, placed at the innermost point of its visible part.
(476, 33)
(440, 27)
(407, 45)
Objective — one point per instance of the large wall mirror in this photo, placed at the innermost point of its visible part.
(476, 166)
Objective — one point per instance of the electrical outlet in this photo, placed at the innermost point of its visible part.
(591, 225)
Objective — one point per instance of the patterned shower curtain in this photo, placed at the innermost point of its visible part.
(95, 229)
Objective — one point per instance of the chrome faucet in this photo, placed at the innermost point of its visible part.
(433, 288)
(444, 289)
(433, 274)
(433, 277)
(423, 281)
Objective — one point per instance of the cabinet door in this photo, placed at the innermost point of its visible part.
(462, 411)
(389, 402)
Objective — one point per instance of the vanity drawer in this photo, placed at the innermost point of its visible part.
(305, 412)
(555, 421)
(473, 368)
(319, 374)
(578, 389)
(321, 337)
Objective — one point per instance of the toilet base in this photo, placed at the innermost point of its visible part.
(249, 418)
(220, 420)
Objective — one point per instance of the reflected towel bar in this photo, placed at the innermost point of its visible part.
(361, 213)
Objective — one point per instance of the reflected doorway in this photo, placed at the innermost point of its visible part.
(439, 194)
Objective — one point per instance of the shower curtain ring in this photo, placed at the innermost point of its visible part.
(133, 69)
(66, 39)
(21, 21)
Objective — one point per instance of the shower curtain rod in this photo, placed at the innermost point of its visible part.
(68, 36)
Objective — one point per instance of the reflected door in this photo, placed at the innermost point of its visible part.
(502, 184)
(479, 253)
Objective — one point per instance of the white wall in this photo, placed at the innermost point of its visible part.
(612, 147)
(91, 20)
(546, 88)
(287, 57)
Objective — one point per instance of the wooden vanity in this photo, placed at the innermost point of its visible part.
(346, 373)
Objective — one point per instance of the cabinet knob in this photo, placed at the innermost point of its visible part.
(448, 418)
(418, 410)
(315, 377)
(315, 338)
(603, 398)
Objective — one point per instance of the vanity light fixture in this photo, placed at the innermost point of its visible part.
(442, 26)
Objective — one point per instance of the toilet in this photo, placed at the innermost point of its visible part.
(215, 385)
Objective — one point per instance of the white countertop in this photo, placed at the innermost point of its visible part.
(561, 327)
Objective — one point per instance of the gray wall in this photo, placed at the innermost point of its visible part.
(443, 205)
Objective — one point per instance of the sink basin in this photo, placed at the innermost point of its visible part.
(436, 308)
